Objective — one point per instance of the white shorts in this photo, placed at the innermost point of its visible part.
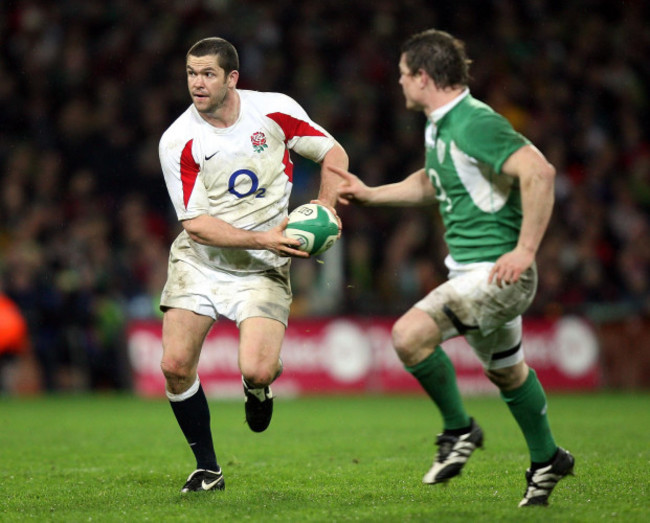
(236, 296)
(487, 315)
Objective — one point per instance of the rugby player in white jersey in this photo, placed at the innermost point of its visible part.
(495, 193)
(227, 166)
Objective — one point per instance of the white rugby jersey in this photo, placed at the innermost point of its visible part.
(241, 174)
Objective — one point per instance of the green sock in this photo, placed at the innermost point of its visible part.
(528, 406)
(437, 376)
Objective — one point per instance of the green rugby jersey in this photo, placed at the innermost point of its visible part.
(480, 207)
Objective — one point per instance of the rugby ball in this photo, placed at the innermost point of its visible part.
(315, 226)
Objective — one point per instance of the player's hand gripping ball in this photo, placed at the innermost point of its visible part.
(315, 226)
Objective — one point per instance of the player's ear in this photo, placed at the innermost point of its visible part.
(423, 77)
(233, 77)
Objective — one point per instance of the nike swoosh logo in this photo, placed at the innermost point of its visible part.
(208, 486)
(208, 157)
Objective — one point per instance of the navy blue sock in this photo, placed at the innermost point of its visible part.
(193, 416)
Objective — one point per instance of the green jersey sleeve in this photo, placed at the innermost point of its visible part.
(489, 137)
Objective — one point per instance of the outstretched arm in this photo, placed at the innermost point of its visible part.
(415, 189)
(537, 181)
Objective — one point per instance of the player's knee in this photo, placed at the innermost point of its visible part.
(508, 378)
(259, 375)
(414, 337)
(403, 341)
(176, 370)
(498, 378)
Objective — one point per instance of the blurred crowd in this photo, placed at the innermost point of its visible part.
(88, 87)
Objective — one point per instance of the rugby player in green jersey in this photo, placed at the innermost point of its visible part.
(495, 191)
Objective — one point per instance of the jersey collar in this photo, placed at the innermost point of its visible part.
(438, 113)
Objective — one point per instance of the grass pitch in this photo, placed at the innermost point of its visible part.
(120, 458)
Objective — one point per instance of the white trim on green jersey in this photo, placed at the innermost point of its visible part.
(467, 143)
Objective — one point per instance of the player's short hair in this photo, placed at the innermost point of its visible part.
(224, 51)
(440, 55)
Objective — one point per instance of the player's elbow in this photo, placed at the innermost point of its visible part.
(540, 178)
(547, 172)
(546, 181)
(193, 228)
(195, 237)
(337, 156)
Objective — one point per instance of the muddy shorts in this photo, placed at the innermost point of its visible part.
(488, 316)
